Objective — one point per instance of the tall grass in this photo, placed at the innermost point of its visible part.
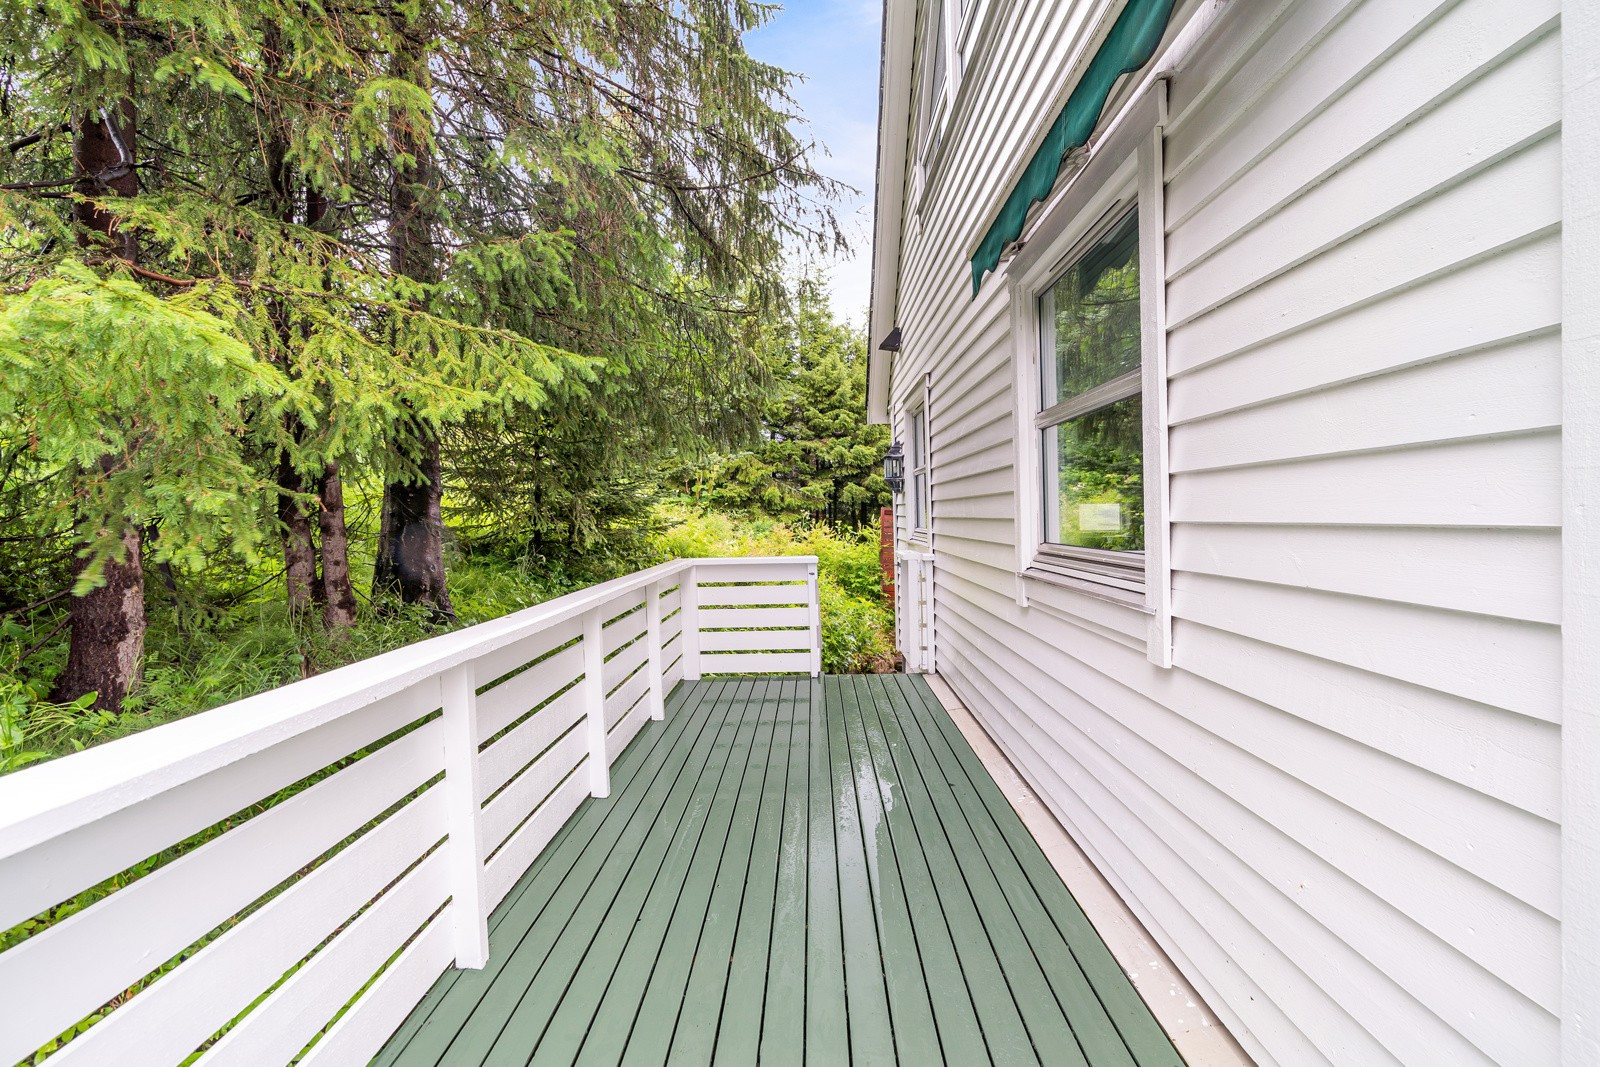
(213, 647)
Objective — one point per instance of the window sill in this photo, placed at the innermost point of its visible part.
(1043, 574)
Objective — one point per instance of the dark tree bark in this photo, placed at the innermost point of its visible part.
(108, 623)
(107, 633)
(299, 553)
(338, 596)
(331, 590)
(103, 162)
(410, 559)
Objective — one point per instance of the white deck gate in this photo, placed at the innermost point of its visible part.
(358, 827)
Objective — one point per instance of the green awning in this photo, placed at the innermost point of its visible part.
(1129, 46)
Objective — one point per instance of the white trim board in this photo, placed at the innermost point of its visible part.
(1580, 463)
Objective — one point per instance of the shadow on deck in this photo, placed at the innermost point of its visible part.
(790, 870)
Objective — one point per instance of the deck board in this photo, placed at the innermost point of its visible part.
(615, 997)
(790, 870)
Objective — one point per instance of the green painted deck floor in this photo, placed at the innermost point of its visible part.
(790, 870)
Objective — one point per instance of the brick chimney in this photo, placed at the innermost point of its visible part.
(886, 550)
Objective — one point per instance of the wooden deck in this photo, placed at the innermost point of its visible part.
(790, 870)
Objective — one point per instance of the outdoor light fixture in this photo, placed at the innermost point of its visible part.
(894, 467)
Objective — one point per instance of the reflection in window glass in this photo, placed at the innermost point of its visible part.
(1091, 317)
(1094, 478)
(919, 469)
(1091, 413)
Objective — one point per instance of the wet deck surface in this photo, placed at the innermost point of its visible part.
(790, 870)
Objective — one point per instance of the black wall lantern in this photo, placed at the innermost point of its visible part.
(894, 467)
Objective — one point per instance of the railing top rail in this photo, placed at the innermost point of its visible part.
(60, 795)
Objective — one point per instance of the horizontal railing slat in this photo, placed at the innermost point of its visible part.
(752, 618)
(756, 663)
(712, 596)
(625, 630)
(513, 752)
(630, 725)
(511, 699)
(754, 640)
(57, 977)
(628, 661)
(507, 866)
(281, 1025)
(783, 569)
(57, 868)
(169, 1020)
(623, 700)
(501, 815)
(530, 648)
(361, 1031)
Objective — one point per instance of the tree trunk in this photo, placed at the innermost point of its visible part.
(411, 543)
(104, 167)
(339, 597)
(411, 537)
(108, 623)
(107, 633)
(299, 553)
(330, 589)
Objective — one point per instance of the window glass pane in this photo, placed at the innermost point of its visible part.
(919, 498)
(1090, 317)
(933, 74)
(1094, 478)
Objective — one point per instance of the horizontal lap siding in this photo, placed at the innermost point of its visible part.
(1339, 812)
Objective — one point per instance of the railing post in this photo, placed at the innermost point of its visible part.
(816, 619)
(594, 700)
(652, 627)
(689, 599)
(463, 801)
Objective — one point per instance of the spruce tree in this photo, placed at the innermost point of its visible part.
(817, 458)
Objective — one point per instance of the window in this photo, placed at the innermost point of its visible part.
(918, 457)
(934, 91)
(1088, 325)
(1091, 418)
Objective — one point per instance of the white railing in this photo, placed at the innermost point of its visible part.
(297, 868)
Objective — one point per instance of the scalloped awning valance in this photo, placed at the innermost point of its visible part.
(1129, 46)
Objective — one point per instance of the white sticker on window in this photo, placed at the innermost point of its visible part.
(1099, 518)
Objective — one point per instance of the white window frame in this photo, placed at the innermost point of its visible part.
(935, 102)
(1051, 576)
(919, 466)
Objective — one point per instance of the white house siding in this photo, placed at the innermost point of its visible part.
(1339, 811)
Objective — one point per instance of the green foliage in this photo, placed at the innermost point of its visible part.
(857, 633)
(857, 622)
(201, 654)
(552, 239)
(33, 728)
(141, 401)
(816, 458)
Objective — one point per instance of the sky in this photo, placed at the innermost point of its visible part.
(834, 45)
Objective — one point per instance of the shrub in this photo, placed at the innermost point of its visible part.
(857, 623)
